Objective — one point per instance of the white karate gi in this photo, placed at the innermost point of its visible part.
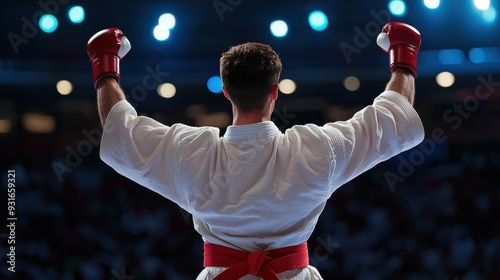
(257, 188)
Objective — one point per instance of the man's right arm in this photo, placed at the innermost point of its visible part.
(403, 82)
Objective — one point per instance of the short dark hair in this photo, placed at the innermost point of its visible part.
(248, 72)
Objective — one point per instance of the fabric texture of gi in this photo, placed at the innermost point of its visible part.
(256, 188)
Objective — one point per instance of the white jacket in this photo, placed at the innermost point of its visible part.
(257, 188)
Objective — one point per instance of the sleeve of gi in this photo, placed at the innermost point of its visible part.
(376, 133)
(141, 149)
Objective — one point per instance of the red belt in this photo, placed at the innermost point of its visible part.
(266, 264)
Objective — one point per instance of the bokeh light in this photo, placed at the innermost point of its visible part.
(279, 28)
(318, 20)
(166, 90)
(482, 5)
(161, 33)
(490, 15)
(432, 4)
(351, 83)
(397, 7)
(64, 87)
(167, 21)
(214, 84)
(48, 23)
(287, 86)
(445, 79)
(76, 14)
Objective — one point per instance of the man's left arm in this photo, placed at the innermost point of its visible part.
(390, 125)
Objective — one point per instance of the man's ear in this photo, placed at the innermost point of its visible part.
(226, 94)
(274, 92)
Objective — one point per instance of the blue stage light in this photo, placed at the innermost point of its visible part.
(48, 23)
(161, 33)
(318, 20)
(76, 14)
(397, 7)
(279, 28)
(167, 20)
(482, 5)
(432, 4)
(214, 84)
(485, 55)
(451, 56)
(490, 15)
(477, 55)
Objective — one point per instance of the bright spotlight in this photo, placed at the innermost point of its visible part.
(64, 87)
(318, 20)
(482, 5)
(287, 86)
(166, 90)
(445, 79)
(48, 23)
(397, 7)
(161, 33)
(490, 14)
(279, 28)
(214, 84)
(431, 4)
(76, 14)
(167, 21)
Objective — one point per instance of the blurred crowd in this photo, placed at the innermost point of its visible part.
(441, 222)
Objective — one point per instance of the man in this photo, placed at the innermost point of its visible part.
(256, 193)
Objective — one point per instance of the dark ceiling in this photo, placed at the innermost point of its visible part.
(315, 60)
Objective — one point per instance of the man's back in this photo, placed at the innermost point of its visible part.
(257, 188)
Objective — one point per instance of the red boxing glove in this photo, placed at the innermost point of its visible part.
(402, 42)
(105, 49)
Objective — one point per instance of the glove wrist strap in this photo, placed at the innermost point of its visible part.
(106, 65)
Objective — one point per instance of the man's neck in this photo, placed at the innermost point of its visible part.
(252, 117)
(249, 119)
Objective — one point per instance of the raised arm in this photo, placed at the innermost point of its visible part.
(105, 49)
(109, 93)
(403, 82)
(390, 125)
(402, 42)
(136, 147)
